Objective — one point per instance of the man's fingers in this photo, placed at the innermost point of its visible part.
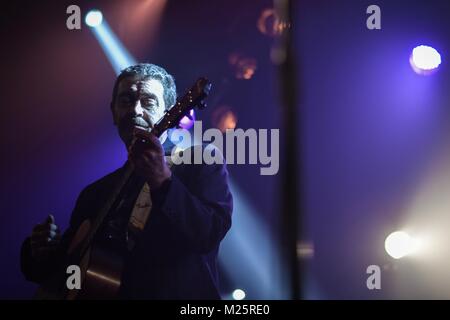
(44, 234)
(50, 219)
(37, 243)
(141, 146)
(146, 136)
(147, 154)
(142, 133)
(39, 227)
(45, 238)
(45, 227)
(151, 149)
(49, 223)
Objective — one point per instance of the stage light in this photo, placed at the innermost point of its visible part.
(238, 294)
(400, 244)
(187, 123)
(249, 255)
(244, 66)
(223, 118)
(270, 24)
(94, 18)
(305, 250)
(117, 54)
(425, 60)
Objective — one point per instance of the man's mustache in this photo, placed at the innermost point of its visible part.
(140, 122)
(130, 121)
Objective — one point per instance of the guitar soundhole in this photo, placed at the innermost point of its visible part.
(80, 236)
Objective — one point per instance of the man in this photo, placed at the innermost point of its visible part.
(175, 251)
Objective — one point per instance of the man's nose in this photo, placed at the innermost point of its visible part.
(138, 110)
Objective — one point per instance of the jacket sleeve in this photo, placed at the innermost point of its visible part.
(202, 213)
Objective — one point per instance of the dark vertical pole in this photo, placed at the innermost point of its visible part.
(291, 161)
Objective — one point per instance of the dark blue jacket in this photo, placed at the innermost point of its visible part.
(176, 258)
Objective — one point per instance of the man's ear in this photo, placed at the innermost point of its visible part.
(111, 105)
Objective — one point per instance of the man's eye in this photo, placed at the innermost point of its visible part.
(148, 102)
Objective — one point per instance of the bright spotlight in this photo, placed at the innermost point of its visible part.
(238, 294)
(94, 18)
(424, 59)
(187, 123)
(117, 54)
(400, 244)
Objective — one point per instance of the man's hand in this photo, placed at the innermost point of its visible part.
(45, 239)
(146, 154)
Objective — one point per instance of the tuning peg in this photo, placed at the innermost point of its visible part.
(202, 105)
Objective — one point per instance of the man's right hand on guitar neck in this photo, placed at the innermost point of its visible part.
(45, 239)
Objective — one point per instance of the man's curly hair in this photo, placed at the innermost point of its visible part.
(150, 71)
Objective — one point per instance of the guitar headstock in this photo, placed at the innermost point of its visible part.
(194, 98)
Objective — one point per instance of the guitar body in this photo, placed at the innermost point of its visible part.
(101, 273)
(101, 269)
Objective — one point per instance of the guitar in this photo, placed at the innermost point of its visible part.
(100, 258)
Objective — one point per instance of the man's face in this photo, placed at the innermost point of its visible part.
(139, 103)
